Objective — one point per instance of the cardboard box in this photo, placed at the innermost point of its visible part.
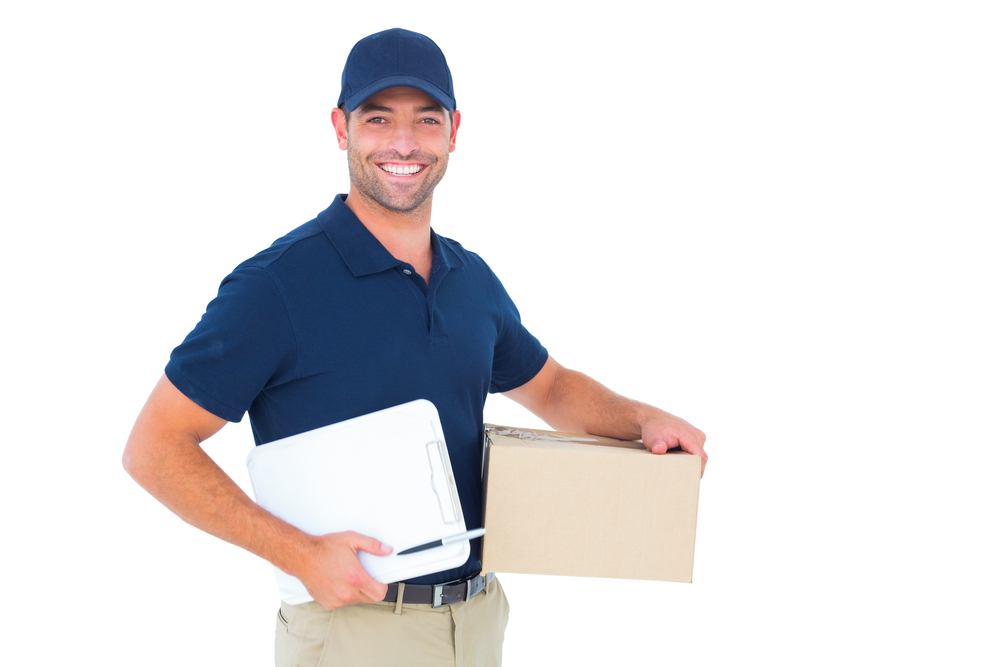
(587, 506)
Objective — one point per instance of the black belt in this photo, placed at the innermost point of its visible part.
(440, 595)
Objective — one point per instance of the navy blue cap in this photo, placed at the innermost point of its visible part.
(391, 58)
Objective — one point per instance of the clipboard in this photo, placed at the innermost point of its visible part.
(321, 481)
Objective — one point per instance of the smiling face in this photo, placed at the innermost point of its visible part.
(397, 144)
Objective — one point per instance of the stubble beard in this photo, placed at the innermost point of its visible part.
(365, 177)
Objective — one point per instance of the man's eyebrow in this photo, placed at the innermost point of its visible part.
(365, 108)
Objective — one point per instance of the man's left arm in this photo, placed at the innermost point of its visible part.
(570, 401)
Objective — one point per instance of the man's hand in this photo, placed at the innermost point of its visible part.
(662, 431)
(334, 576)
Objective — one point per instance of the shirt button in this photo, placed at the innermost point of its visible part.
(407, 272)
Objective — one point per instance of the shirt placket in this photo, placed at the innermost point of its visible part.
(424, 295)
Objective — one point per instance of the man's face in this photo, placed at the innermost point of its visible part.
(397, 145)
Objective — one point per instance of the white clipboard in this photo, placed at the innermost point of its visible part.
(386, 475)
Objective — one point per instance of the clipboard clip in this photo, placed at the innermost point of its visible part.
(443, 482)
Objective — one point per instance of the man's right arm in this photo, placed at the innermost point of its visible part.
(164, 456)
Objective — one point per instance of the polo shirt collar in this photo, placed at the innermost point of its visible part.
(445, 252)
(361, 251)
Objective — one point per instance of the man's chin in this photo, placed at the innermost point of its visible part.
(399, 197)
(400, 204)
(403, 198)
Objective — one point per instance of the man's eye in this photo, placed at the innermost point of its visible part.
(378, 120)
(432, 121)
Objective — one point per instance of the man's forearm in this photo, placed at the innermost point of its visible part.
(581, 404)
(570, 401)
(187, 481)
(165, 457)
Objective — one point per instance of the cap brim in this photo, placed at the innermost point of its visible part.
(444, 99)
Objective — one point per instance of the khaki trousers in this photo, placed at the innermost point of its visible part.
(375, 635)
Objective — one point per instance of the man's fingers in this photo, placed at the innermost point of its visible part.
(375, 590)
(657, 446)
(368, 589)
(370, 544)
(366, 584)
(692, 443)
(693, 446)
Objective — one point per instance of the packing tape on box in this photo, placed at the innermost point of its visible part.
(526, 434)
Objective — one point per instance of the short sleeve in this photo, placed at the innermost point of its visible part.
(517, 356)
(243, 344)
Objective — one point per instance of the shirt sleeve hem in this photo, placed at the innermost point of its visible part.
(523, 379)
(187, 387)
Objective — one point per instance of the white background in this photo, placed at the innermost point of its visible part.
(775, 219)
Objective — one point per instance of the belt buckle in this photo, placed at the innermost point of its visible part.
(436, 595)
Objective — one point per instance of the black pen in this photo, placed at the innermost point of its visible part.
(468, 535)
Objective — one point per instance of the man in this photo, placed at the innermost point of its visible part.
(363, 308)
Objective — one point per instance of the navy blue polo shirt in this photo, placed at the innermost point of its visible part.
(326, 325)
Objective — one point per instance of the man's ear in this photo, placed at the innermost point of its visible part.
(456, 119)
(340, 127)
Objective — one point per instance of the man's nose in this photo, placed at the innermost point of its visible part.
(403, 140)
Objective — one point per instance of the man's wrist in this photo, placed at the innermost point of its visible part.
(288, 547)
(643, 414)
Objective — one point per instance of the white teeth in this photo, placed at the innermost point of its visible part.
(401, 169)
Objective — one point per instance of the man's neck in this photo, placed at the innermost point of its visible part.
(407, 236)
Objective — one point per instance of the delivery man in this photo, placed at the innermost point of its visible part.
(360, 309)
